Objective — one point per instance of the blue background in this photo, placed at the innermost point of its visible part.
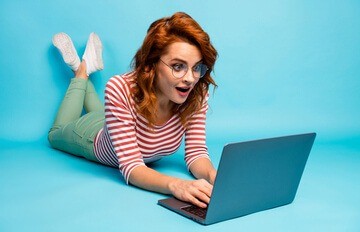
(284, 67)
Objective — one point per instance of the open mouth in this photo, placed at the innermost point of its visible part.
(183, 90)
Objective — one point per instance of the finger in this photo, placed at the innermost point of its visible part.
(209, 187)
(205, 183)
(205, 187)
(201, 193)
(202, 197)
(197, 202)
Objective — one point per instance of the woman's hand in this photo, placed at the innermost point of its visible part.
(197, 192)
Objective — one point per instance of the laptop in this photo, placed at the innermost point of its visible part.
(252, 176)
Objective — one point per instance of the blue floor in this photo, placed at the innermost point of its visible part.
(46, 190)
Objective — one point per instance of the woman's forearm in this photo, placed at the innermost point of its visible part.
(202, 168)
(149, 179)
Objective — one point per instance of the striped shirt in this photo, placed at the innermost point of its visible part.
(126, 142)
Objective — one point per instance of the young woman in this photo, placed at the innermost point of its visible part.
(147, 111)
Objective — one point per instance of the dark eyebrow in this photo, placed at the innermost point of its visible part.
(183, 61)
(178, 60)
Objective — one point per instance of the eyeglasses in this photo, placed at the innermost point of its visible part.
(179, 70)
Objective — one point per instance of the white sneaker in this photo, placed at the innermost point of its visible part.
(93, 54)
(66, 47)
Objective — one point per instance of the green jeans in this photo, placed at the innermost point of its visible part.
(72, 132)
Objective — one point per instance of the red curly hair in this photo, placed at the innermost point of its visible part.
(162, 33)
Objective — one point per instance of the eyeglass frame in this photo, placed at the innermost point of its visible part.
(187, 69)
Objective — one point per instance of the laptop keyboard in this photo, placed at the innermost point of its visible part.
(200, 212)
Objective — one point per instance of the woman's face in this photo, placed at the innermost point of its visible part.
(169, 89)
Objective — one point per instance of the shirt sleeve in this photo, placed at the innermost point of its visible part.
(195, 136)
(120, 123)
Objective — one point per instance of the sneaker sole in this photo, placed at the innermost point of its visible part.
(98, 61)
(65, 45)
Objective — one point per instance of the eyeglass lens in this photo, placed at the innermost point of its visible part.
(198, 71)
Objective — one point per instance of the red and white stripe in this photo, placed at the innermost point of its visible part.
(126, 142)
